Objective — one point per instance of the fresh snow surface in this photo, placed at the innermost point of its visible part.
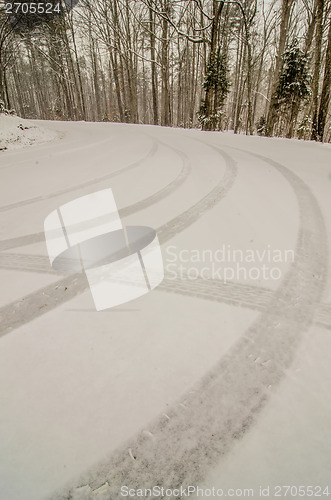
(199, 382)
(15, 133)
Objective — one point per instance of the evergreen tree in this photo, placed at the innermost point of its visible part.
(216, 80)
(293, 86)
(261, 125)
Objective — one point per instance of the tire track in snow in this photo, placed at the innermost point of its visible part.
(202, 426)
(236, 294)
(22, 262)
(74, 146)
(83, 185)
(46, 299)
(124, 212)
(323, 316)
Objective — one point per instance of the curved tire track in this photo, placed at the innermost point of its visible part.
(201, 428)
(83, 185)
(130, 209)
(235, 294)
(46, 299)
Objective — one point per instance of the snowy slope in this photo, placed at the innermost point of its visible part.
(15, 133)
(200, 382)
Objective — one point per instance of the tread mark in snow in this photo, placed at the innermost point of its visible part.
(24, 310)
(83, 185)
(124, 212)
(230, 397)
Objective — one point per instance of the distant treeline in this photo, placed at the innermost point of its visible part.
(252, 66)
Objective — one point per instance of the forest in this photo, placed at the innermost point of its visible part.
(251, 66)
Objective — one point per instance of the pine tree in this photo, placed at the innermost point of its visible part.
(293, 86)
(216, 80)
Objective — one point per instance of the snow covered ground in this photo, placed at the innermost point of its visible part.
(15, 133)
(217, 378)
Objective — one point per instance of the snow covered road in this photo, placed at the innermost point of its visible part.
(169, 389)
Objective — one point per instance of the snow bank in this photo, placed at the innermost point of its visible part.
(15, 133)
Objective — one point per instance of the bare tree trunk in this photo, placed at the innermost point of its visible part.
(165, 95)
(114, 64)
(310, 31)
(238, 76)
(326, 91)
(249, 123)
(293, 118)
(237, 120)
(317, 67)
(93, 56)
(115, 70)
(81, 97)
(286, 11)
(153, 66)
